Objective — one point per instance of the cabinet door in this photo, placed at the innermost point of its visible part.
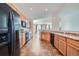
(62, 47)
(45, 36)
(23, 39)
(48, 37)
(71, 51)
(72, 47)
(56, 41)
(42, 35)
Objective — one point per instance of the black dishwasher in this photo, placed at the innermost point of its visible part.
(52, 39)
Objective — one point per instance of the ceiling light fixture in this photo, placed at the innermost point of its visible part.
(31, 9)
(46, 9)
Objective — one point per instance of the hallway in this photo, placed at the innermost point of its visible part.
(35, 47)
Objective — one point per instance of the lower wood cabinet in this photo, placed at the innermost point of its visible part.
(60, 44)
(71, 51)
(62, 47)
(67, 46)
(45, 36)
(56, 41)
(23, 39)
(72, 47)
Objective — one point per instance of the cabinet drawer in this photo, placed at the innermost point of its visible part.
(45, 36)
(62, 38)
(73, 42)
(56, 37)
(72, 50)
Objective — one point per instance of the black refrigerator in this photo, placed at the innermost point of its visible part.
(14, 30)
(9, 31)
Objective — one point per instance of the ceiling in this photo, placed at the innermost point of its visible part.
(36, 11)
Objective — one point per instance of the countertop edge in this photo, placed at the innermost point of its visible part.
(68, 36)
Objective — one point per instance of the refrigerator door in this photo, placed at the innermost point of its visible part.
(14, 46)
(16, 26)
(11, 34)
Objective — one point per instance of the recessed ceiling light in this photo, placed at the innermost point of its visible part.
(31, 9)
(46, 9)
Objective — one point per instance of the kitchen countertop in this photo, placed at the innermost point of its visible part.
(72, 35)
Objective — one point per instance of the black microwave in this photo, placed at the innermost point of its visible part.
(23, 24)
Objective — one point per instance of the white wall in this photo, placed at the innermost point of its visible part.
(54, 20)
(45, 20)
(70, 18)
(66, 20)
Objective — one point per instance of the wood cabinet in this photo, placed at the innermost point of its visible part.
(45, 36)
(66, 46)
(16, 9)
(73, 42)
(60, 43)
(71, 51)
(62, 47)
(72, 47)
(23, 39)
(56, 41)
(23, 36)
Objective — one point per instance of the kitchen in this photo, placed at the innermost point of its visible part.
(12, 30)
(53, 24)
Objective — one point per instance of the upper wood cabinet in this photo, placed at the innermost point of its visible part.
(23, 19)
(17, 10)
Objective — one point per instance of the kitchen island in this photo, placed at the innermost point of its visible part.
(65, 42)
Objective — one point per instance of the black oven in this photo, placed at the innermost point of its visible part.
(23, 24)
